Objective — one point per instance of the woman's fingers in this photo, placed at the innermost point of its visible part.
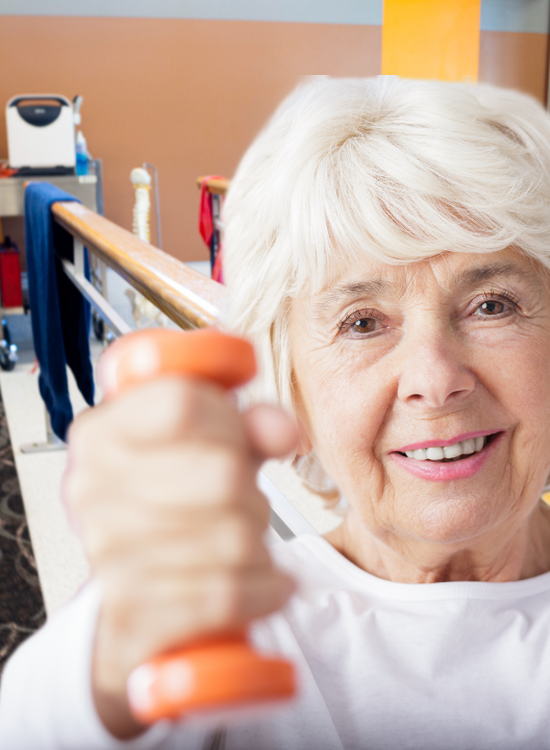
(174, 481)
(161, 411)
(204, 542)
(174, 611)
(271, 431)
(162, 484)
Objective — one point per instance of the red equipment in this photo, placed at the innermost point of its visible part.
(10, 275)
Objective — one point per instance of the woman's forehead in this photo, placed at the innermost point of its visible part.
(448, 272)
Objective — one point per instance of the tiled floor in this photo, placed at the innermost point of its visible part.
(61, 563)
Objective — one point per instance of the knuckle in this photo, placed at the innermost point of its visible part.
(111, 543)
(81, 434)
(79, 487)
(100, 545)
(179, 406)
(96, 548)
(92, 448)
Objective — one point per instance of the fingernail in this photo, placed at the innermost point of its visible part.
(136, 362)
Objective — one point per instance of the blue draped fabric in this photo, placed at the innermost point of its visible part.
(60, 315)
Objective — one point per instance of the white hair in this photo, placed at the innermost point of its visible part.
(385, 168)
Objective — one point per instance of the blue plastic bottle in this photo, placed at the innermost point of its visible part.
(81, 154)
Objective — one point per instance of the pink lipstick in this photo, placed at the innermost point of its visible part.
(444, 443)
(448, 471)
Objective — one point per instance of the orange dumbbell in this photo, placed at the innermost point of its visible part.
(218, 672)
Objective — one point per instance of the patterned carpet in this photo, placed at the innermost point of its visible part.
(21, 603)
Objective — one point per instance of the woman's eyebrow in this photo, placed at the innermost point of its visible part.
(366, 288)
(382, 288)
(473, 276)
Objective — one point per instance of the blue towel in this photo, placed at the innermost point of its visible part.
(60, 314)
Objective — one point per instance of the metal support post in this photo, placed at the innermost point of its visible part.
(52, 442)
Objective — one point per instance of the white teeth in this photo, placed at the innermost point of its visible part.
(453, 451)
(468, 446)
(450, 451)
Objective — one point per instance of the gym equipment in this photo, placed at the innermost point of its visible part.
(41, 134)
(217, 672)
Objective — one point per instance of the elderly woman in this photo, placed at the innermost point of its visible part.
(387, 250)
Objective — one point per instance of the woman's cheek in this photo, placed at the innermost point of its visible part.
(516, 369)
(516, 372)
(347, 410)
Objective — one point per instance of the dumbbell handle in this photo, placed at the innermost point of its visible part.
(217, 672)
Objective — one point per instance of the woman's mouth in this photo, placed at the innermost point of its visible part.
(449, 452)
(458, 460)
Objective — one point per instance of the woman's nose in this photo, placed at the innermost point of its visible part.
(433, 373)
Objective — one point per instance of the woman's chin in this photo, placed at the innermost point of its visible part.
(452, 520)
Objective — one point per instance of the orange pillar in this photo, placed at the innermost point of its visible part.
(437, 39)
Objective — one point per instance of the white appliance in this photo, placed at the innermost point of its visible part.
(41, 136)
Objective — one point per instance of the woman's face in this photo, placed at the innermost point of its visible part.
(393, 360)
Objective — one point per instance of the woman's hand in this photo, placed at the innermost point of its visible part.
(161, 483)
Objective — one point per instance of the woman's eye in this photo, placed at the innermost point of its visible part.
(493, 308)
(360, 324)
(364, 325)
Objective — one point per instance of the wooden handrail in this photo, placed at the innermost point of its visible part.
(187, 297)
(219, 187)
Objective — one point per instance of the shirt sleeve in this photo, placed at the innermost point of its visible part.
(46, 698)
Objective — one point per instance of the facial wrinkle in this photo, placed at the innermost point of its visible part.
(367, 288)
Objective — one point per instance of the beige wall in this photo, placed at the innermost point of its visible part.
(190, 95)
(515, 60)
(185, 95)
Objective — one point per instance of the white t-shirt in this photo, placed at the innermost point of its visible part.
(382, 666)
